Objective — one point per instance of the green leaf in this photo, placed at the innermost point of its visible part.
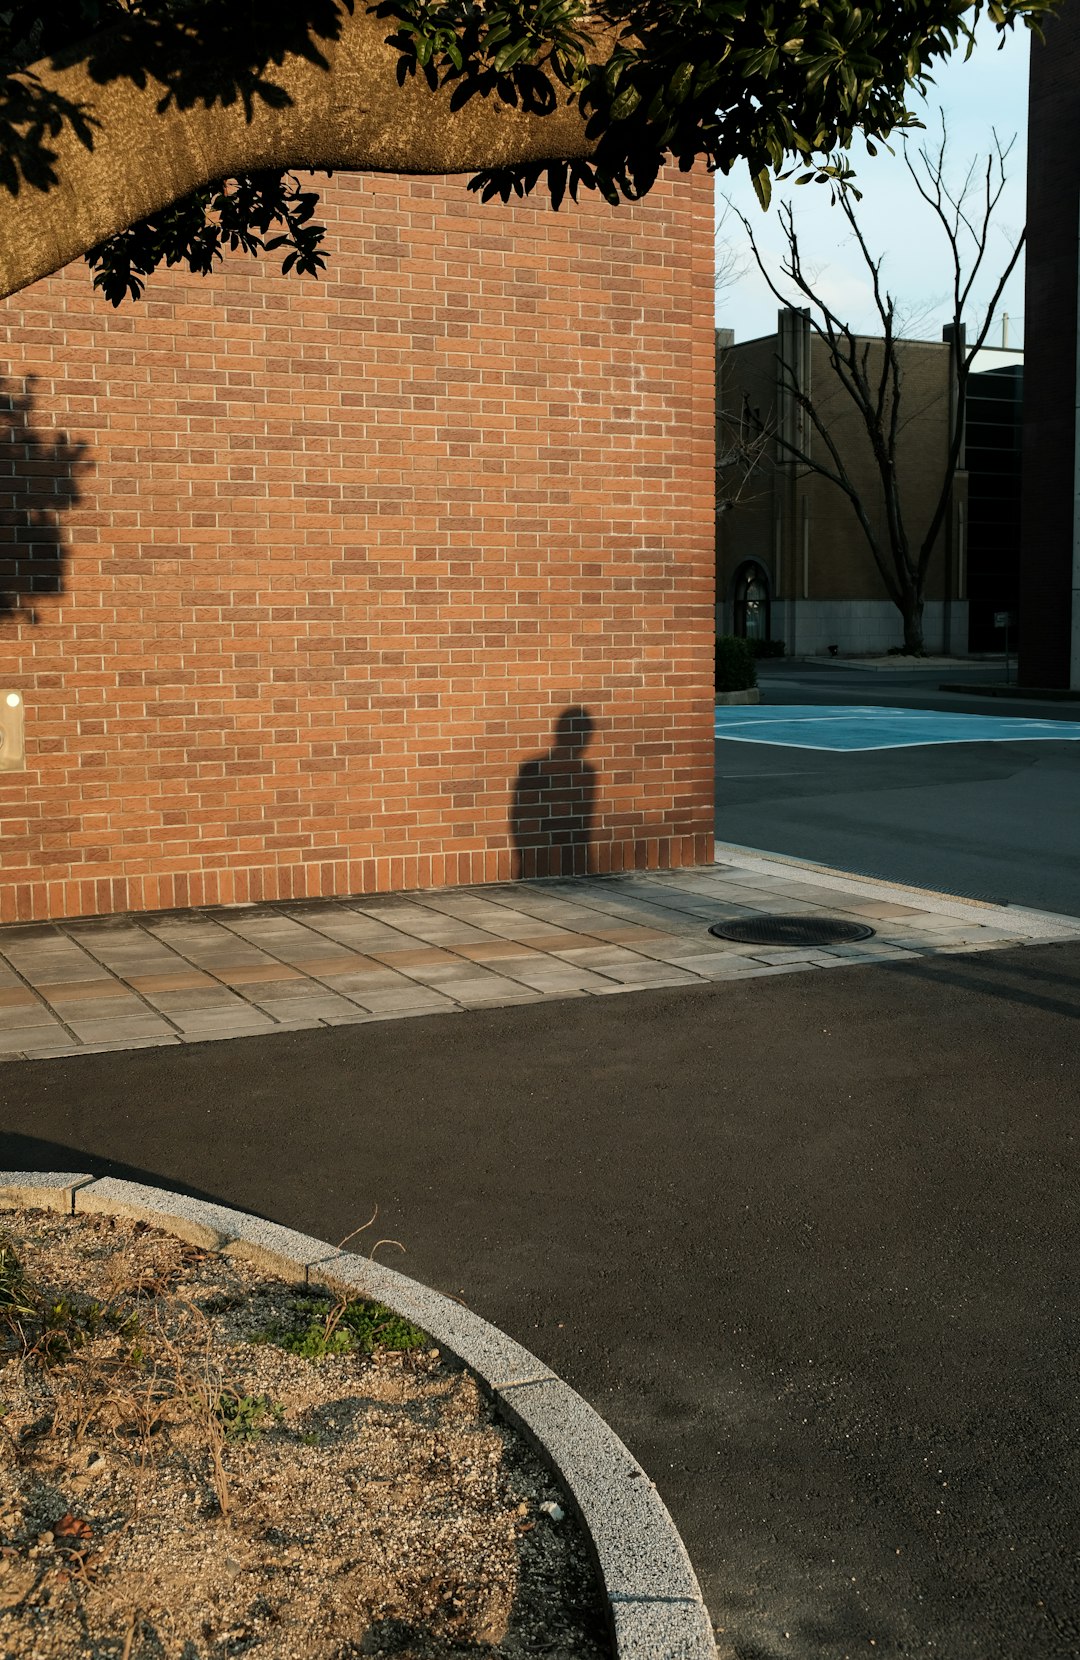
(680, 83)
(512, 54)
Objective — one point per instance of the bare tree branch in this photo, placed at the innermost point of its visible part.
(874, 385)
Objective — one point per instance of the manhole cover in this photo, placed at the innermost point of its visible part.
(791, 930)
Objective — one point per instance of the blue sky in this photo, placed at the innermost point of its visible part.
(989, 91)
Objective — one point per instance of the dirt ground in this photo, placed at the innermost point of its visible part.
(199, 1461)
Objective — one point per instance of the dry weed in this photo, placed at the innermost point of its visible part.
(173, 1486)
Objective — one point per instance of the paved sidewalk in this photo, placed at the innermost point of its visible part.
(185, 977)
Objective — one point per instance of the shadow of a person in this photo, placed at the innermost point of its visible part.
(551, 820)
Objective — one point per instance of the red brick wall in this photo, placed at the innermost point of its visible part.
(300, 574)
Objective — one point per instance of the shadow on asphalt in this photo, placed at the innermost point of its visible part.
(976, 974)
(29, 1152)
(808, 1244)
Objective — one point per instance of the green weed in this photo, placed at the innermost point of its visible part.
(246, 1417)
(51, 1330)
(316, 1327)
(68, 1324)
(18, 1299)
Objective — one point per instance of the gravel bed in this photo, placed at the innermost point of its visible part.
(175, 1484)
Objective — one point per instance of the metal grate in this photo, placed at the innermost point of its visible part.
(791, 930)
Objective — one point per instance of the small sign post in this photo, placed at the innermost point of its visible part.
(1002, 619)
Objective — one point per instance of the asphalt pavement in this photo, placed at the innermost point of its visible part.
(808, 1243)
(993, 821)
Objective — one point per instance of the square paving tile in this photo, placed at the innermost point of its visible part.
(333, 964)
(27, 1014)
(784, 953)
(241, 1019)
(94, 1009)
(554, 940)
(523, 994)
(15, 1040)
(491, 918)
(131, 967)
(420, 957)
(72, 971)
(491, 951)
(632, 914)
(359, 932)
(704, 968)
(420, 999)
(311, 1009)
(254, 974)
(178, 936)
(555, 978)
(650, 974)
(183, 979)
(282, 938)
(82, 991)
(358, 982)
(226, 953)
(128, 1026)
(593, 955)
(492, 989)
(210, 996)
(129, 946)
(627, 933)
(292, 991)
(433, 927)
(18, 997)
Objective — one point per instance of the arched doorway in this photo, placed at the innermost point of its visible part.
(750, 602)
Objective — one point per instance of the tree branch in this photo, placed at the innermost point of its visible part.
(952, 215)
(879, 404)
(837, 475)
(136, 146)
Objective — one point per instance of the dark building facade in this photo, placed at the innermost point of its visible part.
(792, 559)
(1050, 567)
(993, 429)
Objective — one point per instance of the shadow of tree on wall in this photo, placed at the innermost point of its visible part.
(39, 474)
(554, 806)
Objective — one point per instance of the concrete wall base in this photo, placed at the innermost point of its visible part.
(809, 626)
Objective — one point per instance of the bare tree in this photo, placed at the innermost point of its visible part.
(729, 265)
(742, 443)
(870, 371)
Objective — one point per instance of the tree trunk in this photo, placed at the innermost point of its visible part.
(911, 609)
(152, 147)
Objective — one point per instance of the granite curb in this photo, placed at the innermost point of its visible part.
(654, 1604)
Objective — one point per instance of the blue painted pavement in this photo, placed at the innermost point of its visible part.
(804, 726)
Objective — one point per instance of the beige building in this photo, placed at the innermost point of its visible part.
(793, 561)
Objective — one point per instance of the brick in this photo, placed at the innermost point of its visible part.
(318, 568)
